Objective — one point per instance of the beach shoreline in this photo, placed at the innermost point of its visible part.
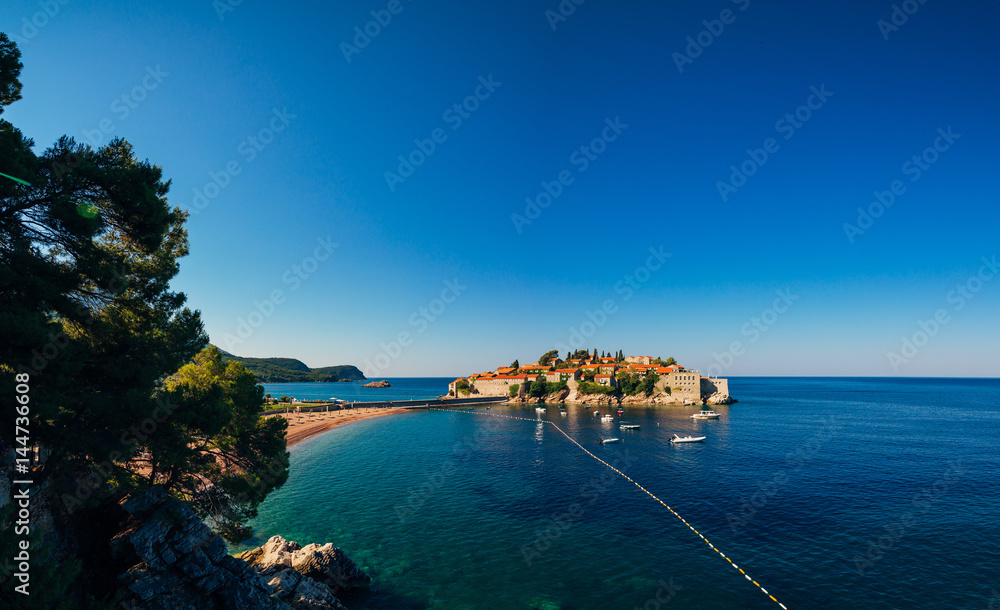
(302, 426)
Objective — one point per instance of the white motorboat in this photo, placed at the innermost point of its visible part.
(607, 418)
(703, 414)
(629, 426)
(687, 439)
(562, 413)
(540, 409)
(605, 441)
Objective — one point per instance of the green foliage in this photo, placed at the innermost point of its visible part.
(87, 256)
(228, 443)
(628, 383)
(648, 384)
(10, 69)
(538, 389)
(92, 290)
(585, 387)
(514, 365)
(662, 362)
(547, 357)
(514, 388)
(580, 353)
(462, 384)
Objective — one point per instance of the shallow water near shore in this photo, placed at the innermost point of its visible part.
(831, 493)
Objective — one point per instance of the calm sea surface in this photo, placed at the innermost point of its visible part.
(403, 388)
(831, 493)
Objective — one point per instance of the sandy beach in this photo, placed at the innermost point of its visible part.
(305, 425)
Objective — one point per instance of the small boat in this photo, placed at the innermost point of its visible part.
(488, 408)
(562, 413)
(586, 406)
(703, 414)
(605, 441)
(629, 426)
(504, 404)
(540, 409)
(621, 411)
(687, 439)
(607, 418)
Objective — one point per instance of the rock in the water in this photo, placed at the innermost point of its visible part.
(325, 564)
(378, 384)
(178, 563)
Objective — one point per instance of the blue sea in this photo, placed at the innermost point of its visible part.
(403, 388)
(829, 492)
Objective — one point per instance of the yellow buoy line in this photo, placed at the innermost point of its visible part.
(630, 480)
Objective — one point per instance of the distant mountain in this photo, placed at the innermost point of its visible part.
(289, 370)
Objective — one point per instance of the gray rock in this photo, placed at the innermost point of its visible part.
(326, 564)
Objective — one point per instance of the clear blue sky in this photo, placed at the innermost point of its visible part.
(198, 86)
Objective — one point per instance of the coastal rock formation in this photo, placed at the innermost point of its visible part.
(720, 399)
(378, 384)
(176, 562)
(326, 563)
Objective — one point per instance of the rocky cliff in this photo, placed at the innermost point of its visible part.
(178, 563)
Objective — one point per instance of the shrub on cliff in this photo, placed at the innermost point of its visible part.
(594, 388)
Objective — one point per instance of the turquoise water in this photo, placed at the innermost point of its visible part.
(799, 484)
(403, 388)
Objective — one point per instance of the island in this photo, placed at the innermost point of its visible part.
(586, 378)
(378, 384)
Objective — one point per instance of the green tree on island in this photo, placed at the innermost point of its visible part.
(547, 357)
(515, 365)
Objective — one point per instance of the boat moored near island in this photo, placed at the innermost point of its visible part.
(705, 414)
(687, 439)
